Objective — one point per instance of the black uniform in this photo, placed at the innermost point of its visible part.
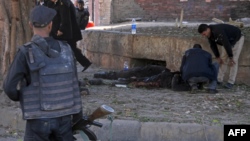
(65, 21)
(82, 17)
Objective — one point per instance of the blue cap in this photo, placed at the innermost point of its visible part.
(41, 16)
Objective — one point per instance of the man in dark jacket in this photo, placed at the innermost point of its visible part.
(66, 28)
(197, 67)
(82, 15)
(231, 38)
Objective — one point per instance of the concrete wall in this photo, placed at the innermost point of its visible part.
(111, 49)
(100, 11)
(114, 11)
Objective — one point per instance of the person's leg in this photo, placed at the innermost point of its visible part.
(37, 130)
(236, 53)
(212, 87)
(63, 129)
(223, 67)
(213, 83)
(193, 82)
(79, 56)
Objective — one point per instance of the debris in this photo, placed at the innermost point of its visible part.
(121, 85)
(231, 22)
(181, 18)
(217, 20)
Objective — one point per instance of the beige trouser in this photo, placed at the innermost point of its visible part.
(233, 69)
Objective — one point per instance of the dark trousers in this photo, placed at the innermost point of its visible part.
(43, 129)
(78, 54)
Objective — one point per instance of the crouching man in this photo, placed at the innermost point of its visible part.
(197, 68)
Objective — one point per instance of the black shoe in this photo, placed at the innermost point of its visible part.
(219, 83)
(86, 66)
(229, 86)
(212, 91)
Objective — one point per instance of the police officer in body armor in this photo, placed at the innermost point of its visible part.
(46, 71)
(65, 28)
(82, 15)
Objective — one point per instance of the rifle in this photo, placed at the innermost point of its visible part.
(101, 111)
(82, 123)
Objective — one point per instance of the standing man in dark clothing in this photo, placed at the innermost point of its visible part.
(197, 67)
(82, 15)
(46, 72)
(231, 38)
(66, 28)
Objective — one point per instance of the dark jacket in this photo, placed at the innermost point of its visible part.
(82, 17)
(225, 35)
(65, 21)
(196, 63)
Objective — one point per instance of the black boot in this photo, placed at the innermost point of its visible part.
(86, 66)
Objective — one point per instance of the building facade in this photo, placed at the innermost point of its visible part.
(105, 12)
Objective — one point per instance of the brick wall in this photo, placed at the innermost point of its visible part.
(113, 11)
(194, 10)
(100, 11)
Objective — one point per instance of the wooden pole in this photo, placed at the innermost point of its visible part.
(6, 44)
(181, 18)
(14, 6)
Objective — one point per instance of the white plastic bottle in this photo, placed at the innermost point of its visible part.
(125, 67)
(133, 26)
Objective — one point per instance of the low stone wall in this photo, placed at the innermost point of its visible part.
(110, 49)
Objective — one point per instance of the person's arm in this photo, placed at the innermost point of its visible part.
(210, 61)
(16, 72)
(64, 11)
(224, 39)
(211, 65)
(214, 48)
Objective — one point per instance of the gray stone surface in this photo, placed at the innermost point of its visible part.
(125, 130)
